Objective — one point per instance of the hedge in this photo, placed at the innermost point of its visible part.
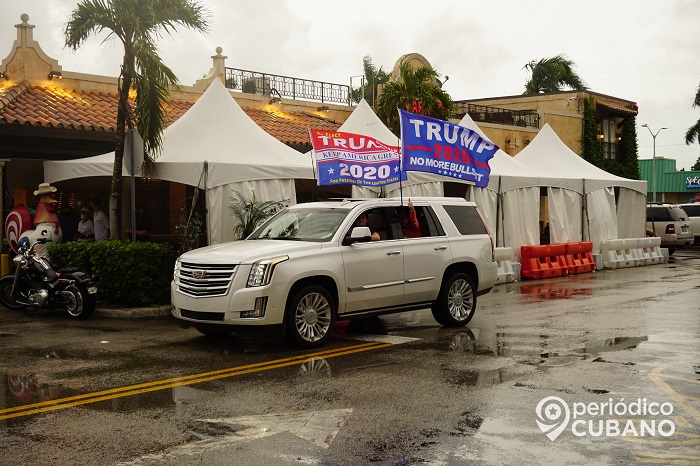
(129, 274)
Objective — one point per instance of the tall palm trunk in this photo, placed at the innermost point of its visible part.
(123, 113)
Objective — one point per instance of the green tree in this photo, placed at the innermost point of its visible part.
(250, 213)
(373, 78)
(629, 158)
(551, 75)
(416, 90)
(591, 147)
(693, 133)
(137, 24)
(697, 165)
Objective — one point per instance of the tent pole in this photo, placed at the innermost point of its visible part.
(498, 208)
(206, 201)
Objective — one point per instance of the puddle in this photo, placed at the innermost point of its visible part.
(471, 378)
(534, 348)
(552, 291)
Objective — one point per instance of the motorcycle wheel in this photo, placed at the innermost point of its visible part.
(79, 303)
(5, 290)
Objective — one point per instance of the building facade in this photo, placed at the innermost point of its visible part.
(671, 185)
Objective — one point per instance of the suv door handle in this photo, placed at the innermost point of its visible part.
(440, 248)
(393, 253)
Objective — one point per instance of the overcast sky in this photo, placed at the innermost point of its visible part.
(647, 51)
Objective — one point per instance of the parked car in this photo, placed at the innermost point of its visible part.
(309, 266)
(693, 211)
(670, 223)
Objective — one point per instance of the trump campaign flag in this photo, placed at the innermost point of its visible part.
(347, 158)
(440, 147)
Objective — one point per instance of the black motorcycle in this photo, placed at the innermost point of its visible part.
(36, 284)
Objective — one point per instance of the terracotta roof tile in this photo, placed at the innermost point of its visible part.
(97, 111)
(290, 128)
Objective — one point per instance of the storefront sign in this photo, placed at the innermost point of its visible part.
(693, 182)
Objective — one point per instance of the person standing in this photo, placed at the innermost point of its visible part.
(100, 220)
(143, 224)
(86, 229)
(68, 225)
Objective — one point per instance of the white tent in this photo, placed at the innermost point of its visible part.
(515, 219)
(214, 142)
(602, 220)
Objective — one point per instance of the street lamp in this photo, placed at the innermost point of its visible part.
(653, 161)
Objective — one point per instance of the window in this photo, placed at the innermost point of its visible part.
(609, 146)
(466, 219)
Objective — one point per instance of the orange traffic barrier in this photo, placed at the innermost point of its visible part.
(579, 257)
(543, 261)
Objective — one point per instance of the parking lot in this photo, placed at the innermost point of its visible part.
(392, 390)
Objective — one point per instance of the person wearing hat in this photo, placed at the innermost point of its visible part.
(86, 229)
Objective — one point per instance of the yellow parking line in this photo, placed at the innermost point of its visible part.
(103, 395)
(656, 375)
(667, 458)
(665, 376)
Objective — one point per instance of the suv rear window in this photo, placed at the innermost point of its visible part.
(659, 214)
(692, 210)
(466, 219)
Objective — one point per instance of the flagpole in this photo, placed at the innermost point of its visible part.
(398, 143)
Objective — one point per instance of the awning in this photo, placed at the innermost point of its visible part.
(616, 109)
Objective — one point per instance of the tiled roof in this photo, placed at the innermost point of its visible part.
(61, 108)
(290, 128)
(29, 105)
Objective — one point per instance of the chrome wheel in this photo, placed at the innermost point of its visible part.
(456, 302)
(459, 299)
(74, 301)
(312, 318)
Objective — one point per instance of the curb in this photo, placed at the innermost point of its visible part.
(135, 312)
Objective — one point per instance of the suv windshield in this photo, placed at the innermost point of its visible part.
(302, 225)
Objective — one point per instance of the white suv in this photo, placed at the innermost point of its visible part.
(670, 223)
(308, 266)
(693, 212)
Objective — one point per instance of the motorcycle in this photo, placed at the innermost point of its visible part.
(36, 284)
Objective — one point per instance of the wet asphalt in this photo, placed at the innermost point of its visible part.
(395, 390)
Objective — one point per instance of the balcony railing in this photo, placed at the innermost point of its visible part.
(501, 116)
(252, 82)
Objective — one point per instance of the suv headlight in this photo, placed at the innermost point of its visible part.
(261, 272)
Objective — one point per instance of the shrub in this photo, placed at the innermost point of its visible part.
(131, 274)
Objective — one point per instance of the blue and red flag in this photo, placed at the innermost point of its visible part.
(436, 146)
(348, 158)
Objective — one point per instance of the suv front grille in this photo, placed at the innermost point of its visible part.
(208, 316)
(205, 280)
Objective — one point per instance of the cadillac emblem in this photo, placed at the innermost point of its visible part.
(199, 274)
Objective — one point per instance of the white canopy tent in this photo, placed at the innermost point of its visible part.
(515, 219)
(217, 144)
(548, 154)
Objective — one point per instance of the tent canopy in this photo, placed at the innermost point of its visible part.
(549, 155)
(214, 130)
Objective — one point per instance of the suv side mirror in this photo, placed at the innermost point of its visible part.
(358, 235)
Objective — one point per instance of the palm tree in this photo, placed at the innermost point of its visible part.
(374, 77)
(693, 133)
(551, 75)
(137, 24)
(249, 213)
(416, 90)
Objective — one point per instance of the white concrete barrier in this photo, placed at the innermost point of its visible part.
(503, 258)
(631, 252)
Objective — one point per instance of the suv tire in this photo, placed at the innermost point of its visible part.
(456, 302)
(310, 317)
